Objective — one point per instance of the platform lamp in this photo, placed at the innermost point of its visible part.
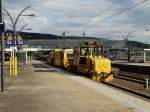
(14, 23)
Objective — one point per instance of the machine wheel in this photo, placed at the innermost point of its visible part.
(101, 77)
(98, 77)
(93, 75)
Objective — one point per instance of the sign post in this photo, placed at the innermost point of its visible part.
(14, 62)
(9, 43)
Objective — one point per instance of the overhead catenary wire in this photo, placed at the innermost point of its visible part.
(127, 9)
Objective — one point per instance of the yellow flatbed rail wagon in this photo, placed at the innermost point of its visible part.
(61, 57)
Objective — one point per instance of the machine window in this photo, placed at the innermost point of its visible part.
(84, 51)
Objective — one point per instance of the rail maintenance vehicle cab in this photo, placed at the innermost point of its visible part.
(89, 59)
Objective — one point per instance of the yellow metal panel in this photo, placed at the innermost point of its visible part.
(102, 65)
(58, 57)
(66, 57)
(109, 78)
(16, 67)
(10, 71)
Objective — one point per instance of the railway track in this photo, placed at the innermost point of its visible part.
(134, 79)
(130, 84)
(128, 90)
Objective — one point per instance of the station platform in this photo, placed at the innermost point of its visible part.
(42, 88)
(124, 62)
(141, 68)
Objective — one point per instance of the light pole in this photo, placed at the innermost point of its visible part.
(126, 39)
(64, 34)
(2, 45)
(83, 34)
(64, 39)
(14, 25)
(19, 34)
(23, 28)
(14, 22)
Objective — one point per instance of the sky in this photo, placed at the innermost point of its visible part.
(97, 18)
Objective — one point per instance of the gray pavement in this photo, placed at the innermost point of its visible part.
(41, 88)
(125, 62)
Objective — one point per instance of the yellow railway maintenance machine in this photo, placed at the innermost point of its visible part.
(89, 59)
(62, 57)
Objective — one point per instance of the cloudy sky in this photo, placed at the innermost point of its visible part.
(96, 17)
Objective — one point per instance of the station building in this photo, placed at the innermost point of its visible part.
(61, 42)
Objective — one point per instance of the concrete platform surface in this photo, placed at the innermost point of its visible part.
(124, 62)
(41, 88)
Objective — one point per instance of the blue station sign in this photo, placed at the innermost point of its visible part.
(19, 42)
(10, 41)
